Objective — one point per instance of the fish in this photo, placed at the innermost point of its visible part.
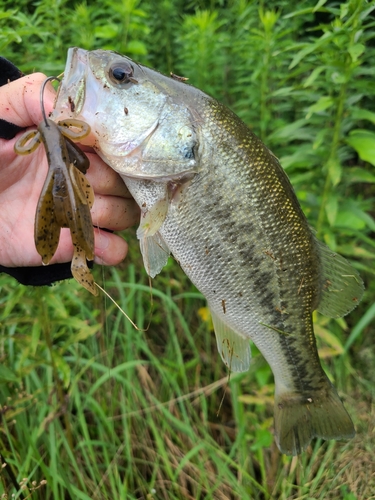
(216, 198)
(66, 197)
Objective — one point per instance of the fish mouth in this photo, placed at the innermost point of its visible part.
(77, 98)
(71, 94)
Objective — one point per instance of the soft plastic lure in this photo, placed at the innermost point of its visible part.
(66, 197)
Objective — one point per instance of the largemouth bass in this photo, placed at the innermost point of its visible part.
(217, 199)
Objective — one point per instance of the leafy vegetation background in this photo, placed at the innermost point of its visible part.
(92, 408)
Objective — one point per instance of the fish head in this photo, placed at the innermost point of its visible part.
(141, 125)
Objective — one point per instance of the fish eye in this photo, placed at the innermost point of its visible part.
(121, 72)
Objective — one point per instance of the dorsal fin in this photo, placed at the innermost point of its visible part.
(342, 286)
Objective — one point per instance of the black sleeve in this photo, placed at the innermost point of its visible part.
(8, 73)
(36, 276)
(41, 275)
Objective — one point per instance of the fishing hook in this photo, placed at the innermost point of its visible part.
(49, 79)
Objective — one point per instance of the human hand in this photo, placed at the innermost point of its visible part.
(22, 178)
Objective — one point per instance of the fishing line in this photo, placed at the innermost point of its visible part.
(123, 312)
(226, 386)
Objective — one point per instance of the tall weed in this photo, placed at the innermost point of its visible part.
(92, 408)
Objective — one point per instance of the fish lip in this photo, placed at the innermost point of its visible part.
(184, 176)
(71, 93)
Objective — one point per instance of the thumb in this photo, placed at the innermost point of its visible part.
(20, 100)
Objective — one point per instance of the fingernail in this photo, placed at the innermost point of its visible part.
(101, 241)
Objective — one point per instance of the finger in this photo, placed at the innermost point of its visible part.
(110, 249)
(114, 213)
(104, 179)
(20, 100)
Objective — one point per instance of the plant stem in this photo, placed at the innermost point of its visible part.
(59, 388)
(332, 156)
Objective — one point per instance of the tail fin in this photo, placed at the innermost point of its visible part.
(300, 418)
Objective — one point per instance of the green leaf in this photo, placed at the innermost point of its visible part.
(291, 129)
(63, 368)
(319, 4)
(357, 174)
(137, 47)
(322, 104)
(339, 78)
(313, 76)
(367, 219)
(331, 340)
(346, 218)
(363, 114)
(7, 375)
(363, 141)
(356, 51)
(366, 12)
(366, 319)
(331, 209)
(107, 31)
(334, 171)
(344, 8)
(262, 375)
(263, 438)
(312, 47)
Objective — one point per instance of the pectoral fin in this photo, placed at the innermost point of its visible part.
(233, 348)
(155, 254)
(342, 287)
(154, 250)
(153, 218)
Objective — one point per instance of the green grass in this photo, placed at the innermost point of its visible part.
(106, 411)
(92, 408)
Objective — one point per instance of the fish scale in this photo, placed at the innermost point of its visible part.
(262, 277)
(214, 196)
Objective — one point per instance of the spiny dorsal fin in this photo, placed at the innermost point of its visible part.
(342, 285)
(233, 348)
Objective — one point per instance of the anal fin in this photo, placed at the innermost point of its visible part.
(233, 348)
